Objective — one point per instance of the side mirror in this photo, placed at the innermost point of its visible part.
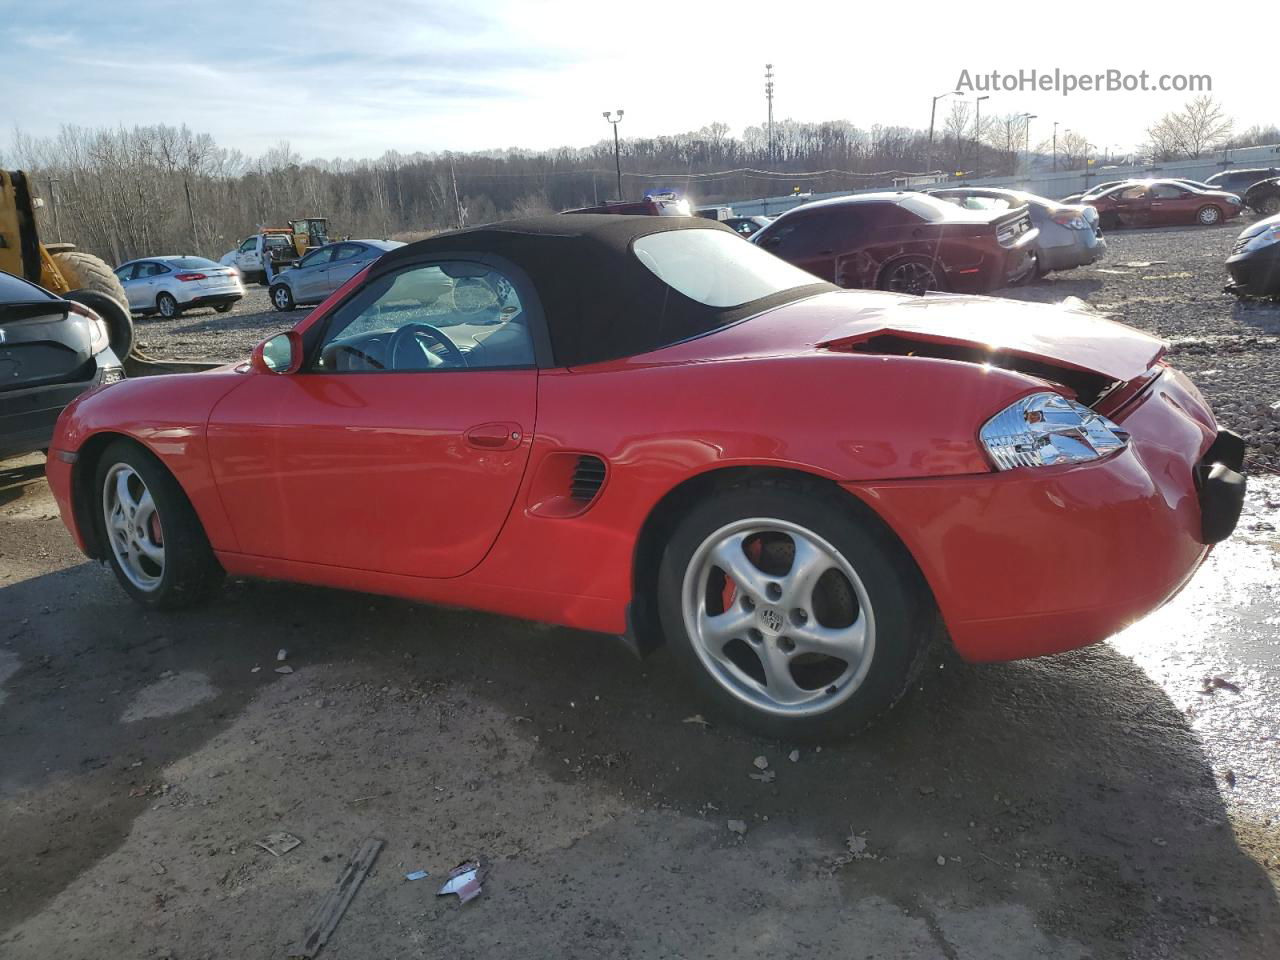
(279, 354)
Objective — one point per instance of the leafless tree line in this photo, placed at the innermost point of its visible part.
(123, 193)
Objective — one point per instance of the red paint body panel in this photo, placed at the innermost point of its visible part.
(1030, 562)
(380, 482)
(373, 471)
(167, 415)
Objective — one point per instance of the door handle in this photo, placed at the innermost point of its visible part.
(495, 436)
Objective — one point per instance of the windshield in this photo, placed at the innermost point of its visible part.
(717, 268)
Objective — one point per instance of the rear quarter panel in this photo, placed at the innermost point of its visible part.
(832, 415)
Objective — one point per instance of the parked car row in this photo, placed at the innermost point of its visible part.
(1144, 203)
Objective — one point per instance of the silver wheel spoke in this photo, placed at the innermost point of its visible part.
(719, 629)
(844, 643)
(124, 496)
(152, 551)
(807, 566)
(781, 686)
(730, 557)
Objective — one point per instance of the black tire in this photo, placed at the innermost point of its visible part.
(87, 275)
(1208, 216)
(282, 297)
(1108, 221)
(925, 273)
(223, 307)
(903, 611)
(191, 572)
(119, 322)
(1269, 205)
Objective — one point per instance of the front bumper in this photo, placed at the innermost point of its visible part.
(1256, 273)
(1036, 561)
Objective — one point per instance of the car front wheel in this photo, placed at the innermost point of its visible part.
(282, 297)
(797, 614)
(1208, 215)
(154, 541)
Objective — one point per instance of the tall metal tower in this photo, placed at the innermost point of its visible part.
(768, 95)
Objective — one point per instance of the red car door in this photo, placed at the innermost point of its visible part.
(400, 445)
(1132, 206)
(1171, 204)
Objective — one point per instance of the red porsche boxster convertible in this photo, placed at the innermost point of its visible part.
(645, 426)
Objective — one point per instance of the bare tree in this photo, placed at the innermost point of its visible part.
(1199, 126)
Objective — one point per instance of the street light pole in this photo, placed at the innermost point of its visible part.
(617, 151)
(768, 95)
(1055, 146)
(977, 133)
(1026, 119)
(933, 112)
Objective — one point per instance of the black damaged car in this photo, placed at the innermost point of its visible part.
(1254, 262)
(51, 351)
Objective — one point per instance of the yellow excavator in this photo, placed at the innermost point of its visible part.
(70, 273)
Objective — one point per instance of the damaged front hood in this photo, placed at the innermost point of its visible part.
(1065, 335)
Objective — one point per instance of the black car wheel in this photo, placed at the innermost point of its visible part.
(914, 275)
(152, 538)
(1269, 206)
(224, 307)
(795, 613)
(167, 306)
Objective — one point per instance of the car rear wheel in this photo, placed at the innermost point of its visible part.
(1208, 215)
(155, 544)
(1269, 206)
(167, 306)
(223, 307)
(282, 297)
(795, 615)
(914, 275)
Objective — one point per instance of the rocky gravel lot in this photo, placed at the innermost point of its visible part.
(1166, 281)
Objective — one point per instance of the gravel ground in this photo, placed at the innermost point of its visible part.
(1167, 281)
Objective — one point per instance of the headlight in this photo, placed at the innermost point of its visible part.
(1044, 429)
(1264, 239)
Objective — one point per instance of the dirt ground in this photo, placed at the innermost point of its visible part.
(1118, 801)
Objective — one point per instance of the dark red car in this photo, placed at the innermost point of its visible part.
(906, 242)
(1158, 203)
(664, 432)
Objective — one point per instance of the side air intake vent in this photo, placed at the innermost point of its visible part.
(588, 478)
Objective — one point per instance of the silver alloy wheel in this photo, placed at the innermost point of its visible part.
(168, 306)
(133, 527)
(911, 277)
(765, 625)
(1209, 216)
(282, 298)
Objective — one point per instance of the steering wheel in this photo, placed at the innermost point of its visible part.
(413, 331)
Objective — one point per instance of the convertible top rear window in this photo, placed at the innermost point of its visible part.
(716, 268)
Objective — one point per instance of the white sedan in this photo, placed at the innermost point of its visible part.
(170, 285)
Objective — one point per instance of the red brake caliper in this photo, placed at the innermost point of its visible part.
(729, 591)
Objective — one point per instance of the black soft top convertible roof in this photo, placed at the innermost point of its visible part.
(600, 301)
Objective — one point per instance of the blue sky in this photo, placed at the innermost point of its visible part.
(354, 78)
